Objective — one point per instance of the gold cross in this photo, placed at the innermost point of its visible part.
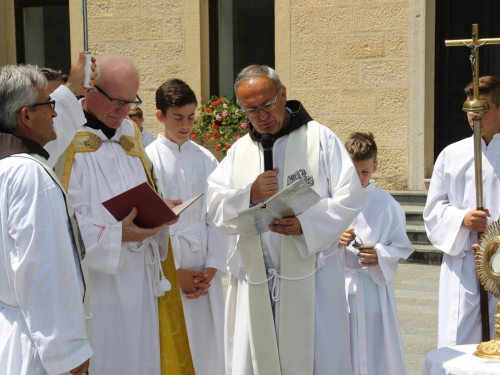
(476, 107)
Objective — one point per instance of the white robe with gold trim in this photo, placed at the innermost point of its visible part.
(125, 314)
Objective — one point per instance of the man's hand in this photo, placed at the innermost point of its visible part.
(264, 186)
(192, 283)
(289, 227)
(77, 75)
(347, 237)
(133, 233)
(368, 257)
(171, 203)
(82, 369)
(476, 220)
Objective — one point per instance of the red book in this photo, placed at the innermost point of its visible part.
(152, 210)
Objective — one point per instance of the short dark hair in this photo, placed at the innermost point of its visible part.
(53, 75)
(174, 93)
(489, 86)
(361, 146)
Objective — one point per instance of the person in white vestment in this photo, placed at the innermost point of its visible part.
(42, 287)
(452, 222)
(137, 116)
(286, 310)
(372, 246)
(105, 159)
(200, 249)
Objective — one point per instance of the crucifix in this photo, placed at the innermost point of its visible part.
(476, 107)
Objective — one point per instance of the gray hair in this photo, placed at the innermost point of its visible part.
(256, 71)
(19, 87)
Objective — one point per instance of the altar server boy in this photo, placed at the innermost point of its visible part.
(200, 250)
(372, 245)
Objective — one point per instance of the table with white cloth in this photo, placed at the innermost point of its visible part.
(458, 360)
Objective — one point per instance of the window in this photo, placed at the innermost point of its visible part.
(42, 33)
(241, 33)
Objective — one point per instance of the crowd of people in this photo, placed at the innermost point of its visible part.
(311, 294)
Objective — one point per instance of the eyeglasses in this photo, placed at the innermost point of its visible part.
(50, 103)
(268, 108)
(120, 102)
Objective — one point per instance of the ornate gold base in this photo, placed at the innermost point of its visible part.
(489, 350)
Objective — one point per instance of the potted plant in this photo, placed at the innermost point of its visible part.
(220, 121)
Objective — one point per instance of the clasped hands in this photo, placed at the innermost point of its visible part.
(367, 256)
(133, 233)
(264, 187)
(193, 283)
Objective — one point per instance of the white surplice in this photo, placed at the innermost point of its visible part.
(182, 173)
(322, 225)
(147, 137)
(451, 195)
(376, 344)
(42, 321)
(125, 328)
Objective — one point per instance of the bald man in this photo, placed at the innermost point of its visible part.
(105, 159)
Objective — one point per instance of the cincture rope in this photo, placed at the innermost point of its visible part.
(275, 291)
(153, 259)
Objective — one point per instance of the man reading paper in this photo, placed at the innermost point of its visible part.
(286, 307)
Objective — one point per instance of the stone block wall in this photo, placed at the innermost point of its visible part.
(350, 68)
(152, 33)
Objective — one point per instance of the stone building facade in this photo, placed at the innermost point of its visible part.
(357, 65)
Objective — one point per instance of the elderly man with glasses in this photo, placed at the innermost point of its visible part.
(105, 159)
(286, 309)
(42, 265)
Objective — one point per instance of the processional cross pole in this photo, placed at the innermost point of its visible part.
(476, 107)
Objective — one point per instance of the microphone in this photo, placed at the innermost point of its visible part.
(267, 144)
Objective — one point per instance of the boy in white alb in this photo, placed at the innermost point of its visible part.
(200, 250)
(380, 228)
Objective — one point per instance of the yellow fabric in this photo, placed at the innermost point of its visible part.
(174, 345)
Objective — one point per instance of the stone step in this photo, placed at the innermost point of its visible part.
(417, 234)
(414, 198)
(414, 214)
(424, 254)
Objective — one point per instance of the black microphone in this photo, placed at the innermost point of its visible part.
(267, 144)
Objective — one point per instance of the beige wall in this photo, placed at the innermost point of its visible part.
(350, 68)
(7, 33)
(364, 65)
(164, 38)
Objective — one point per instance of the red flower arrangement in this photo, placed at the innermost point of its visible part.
(222, 121)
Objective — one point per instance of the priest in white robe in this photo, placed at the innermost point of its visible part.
(286, 311)
(200, 248)
(105, 159)
(452, 222)
(42, 286)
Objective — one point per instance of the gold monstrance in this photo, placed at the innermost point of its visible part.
(476, 107)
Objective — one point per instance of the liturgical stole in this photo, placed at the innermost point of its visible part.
(293, 351)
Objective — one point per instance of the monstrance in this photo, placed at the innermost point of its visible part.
(488, 271)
